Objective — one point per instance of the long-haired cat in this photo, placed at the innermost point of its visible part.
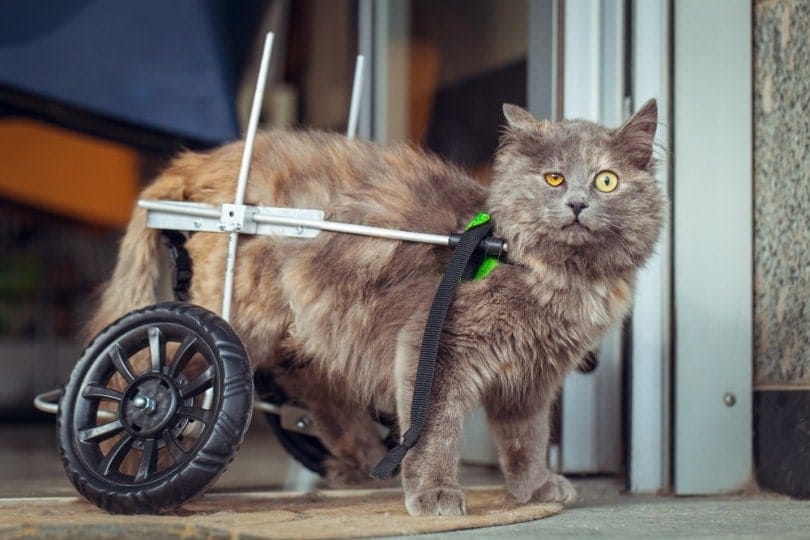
(339, 318)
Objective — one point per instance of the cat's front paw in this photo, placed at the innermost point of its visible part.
(440, 501)
(556, 489)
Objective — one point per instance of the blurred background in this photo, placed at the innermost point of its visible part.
(95, 98)
(702, 390)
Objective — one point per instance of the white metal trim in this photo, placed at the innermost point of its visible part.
(543, 99)
(389, 69)
(543, 58)
(366, 47)
(357, 93)
(591, 404)
(649, 444)
(712, 244)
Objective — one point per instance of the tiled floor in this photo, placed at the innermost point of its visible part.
(29, 467)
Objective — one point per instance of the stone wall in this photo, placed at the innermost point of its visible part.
(782, 193)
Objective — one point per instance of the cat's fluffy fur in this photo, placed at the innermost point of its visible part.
(339, 318)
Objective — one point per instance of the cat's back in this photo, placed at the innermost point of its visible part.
(351, 180)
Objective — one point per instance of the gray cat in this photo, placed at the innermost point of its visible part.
(339, 319)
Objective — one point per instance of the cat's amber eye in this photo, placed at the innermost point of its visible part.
(606, 181)
(554, 179)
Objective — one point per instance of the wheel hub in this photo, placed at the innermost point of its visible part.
(149, 405)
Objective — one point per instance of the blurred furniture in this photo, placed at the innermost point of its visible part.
(149, 73)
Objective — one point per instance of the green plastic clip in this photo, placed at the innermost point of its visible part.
(489, 263)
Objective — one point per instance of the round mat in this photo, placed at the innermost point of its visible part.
(322, 514)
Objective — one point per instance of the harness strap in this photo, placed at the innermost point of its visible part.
(459, 268)
(181, 262)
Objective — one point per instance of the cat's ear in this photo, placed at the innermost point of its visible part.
(518, 117)
(635, 138)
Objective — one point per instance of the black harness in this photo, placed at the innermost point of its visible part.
(473, 245)
(181, 264)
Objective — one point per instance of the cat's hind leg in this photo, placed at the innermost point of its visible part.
(521, 437)
(343, 425)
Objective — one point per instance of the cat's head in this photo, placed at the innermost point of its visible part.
(575, 192)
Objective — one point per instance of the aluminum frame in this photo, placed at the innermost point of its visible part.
(291, 222)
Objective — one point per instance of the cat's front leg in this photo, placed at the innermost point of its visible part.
(521, 437)
(430, 469)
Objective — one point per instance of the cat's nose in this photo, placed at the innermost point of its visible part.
(577, 206)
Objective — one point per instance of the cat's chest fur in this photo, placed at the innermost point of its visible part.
(531, 324)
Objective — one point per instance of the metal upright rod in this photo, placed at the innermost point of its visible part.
(253, 123)
(244, 170)
(357, 93)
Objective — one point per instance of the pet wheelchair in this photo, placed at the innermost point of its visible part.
(181, 420)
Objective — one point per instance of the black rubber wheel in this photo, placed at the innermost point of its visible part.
(155, 409)
(305, 449)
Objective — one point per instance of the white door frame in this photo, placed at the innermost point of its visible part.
(593, 89)
(713, 284)
(383, 28)
(649, 422)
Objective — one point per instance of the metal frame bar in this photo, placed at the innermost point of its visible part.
(357, 94)
(233, 217)
(244, 170)
(290, 218)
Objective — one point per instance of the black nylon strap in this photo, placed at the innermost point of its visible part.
(458, 269)
(181, 263)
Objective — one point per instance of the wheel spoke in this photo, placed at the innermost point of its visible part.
(203, 415)
(182, 355)
(174, 447)
(116, 455)
(93, 390)
(157, 348)
(147, 464)
(117, 355)
(102, 432)
(201, 382)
